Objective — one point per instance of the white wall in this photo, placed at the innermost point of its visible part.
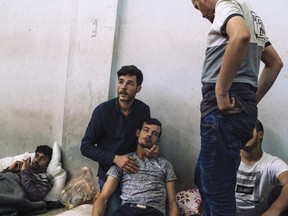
(55, 63)
(58, 58)
(34, 43)
(91, 46)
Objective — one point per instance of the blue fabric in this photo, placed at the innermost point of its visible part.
(114, 202)
(222, 137)
(113, 132)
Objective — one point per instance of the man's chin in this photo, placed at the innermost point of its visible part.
(34, 167)
(147, 145)
(247, 149)
(124, 99)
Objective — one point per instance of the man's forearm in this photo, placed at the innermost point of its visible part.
(266, 80)
(281, 203)
(99, 207)
(174, 211)
(273, 66)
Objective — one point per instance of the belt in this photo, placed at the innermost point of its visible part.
(143, 208)
(134, 205)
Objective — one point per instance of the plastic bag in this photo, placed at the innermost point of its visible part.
(81, 189)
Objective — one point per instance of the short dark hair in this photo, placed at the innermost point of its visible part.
(46, 150)
(131, 70)
(259, 126)
(153, 121)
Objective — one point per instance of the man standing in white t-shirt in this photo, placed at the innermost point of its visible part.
(262, 180)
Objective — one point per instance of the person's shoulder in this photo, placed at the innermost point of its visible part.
(163, 160)
(268, 156)
(229, 6)
(227, 2)
(115, 171)
(111, 102)
(106, 105)
(271, 159)
(140, 103)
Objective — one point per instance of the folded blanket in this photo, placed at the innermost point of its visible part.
(13, 197)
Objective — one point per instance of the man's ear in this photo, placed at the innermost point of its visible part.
(138, 89)
(260, 134)
(137, 132)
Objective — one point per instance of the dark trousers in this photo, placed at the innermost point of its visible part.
(130, 209)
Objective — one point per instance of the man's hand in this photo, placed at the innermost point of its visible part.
(153, 152)
(227, 105)
(127, 163)
(16, 166)
(26, 164)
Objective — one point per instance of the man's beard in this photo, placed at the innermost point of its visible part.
(35, 166)
(146, 145)
(128, 97)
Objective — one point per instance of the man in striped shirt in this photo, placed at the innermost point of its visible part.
(36, 182)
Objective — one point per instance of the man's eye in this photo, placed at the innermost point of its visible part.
(155, 134)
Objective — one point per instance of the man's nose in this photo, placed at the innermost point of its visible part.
(124, 85)
(36, 159)
(149, 134)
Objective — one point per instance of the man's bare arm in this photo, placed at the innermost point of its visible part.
(239, 37)
(109, 187)
(171, 197)
(272, 67)
(281, 203)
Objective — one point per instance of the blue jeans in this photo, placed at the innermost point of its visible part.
(114, 202)
(222, 137)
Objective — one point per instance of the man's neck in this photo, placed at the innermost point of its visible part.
(125, 106)
(140, 153)
(251, 158)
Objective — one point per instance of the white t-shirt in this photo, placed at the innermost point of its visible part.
(255, 181)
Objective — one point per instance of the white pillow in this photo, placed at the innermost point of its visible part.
(58, 173)
(54, 169)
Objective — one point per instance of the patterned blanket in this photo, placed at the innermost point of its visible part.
(13, 197)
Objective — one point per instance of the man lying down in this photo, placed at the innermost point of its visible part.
(24, 184)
